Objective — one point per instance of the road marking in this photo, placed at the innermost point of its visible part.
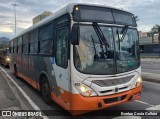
(128, 117)
(24, 107)
(144, 103)
(35, 107)
(156, 107)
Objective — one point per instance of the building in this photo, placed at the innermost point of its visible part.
(143, 34)
(41, 17)
(148, 44)
(146, 39)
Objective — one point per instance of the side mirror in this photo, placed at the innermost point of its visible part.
(74, 36)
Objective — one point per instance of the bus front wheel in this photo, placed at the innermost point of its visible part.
(45, 90)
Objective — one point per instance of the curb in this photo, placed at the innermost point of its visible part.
(151, 77)
(150, 59)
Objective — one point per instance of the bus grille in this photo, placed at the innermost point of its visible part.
(112, 82)
(115, 99)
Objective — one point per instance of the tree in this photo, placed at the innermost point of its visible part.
(2, 46)
(151, 34)
(156, 29)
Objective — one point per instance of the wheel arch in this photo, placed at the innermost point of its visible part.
(41, 75)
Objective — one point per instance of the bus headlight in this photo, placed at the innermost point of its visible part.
(137, 82)
(84, 90)
(7, 59)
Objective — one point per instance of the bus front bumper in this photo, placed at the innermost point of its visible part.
(82, 104)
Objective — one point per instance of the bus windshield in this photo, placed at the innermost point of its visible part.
(109, 55)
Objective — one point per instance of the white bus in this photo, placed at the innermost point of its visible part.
(84, 57)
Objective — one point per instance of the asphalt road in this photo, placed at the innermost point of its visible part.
(150, 67)
(150, 98)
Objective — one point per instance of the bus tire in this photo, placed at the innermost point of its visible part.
(45, 90)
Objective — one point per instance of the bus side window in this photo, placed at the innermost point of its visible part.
(11, 46)
(15, 45)
(62, 35)
(19, 44)
(33, 42)
(46, 39)
(25, 46)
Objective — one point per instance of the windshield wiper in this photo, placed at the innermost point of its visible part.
(95, 55)
(101, 38)
(123, 32)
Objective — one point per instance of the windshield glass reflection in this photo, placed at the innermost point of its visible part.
(95, 55)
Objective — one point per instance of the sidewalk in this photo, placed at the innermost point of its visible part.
(12, 98)
(150, 59)
(8, 100)
(152, 77)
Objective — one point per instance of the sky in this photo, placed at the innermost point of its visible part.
(148, 12)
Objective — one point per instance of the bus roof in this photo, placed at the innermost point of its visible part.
(67, 9)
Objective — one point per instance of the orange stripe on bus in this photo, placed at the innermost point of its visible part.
(33, 83)
(80, 104)
(62, 100)
(87, 104)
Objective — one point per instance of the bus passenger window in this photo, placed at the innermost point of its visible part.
(25, 46)
(62, 47)
(15, 45)
(46, 39)
(33, 49)
(20, 44)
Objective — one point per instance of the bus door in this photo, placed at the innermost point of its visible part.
(61, 65)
